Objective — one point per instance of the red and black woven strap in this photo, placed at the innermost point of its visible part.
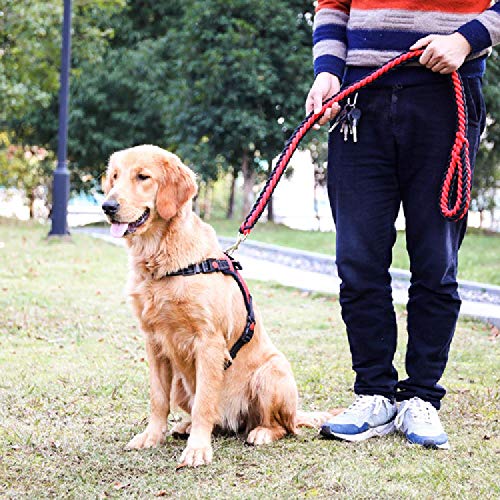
(455, 192)
(229, 267)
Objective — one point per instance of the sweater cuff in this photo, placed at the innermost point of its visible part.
(476, 34)
(329, 64)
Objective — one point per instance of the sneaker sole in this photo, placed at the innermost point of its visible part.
(430, 446)
(379, 431)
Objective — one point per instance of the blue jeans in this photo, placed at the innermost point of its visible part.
(404, 140)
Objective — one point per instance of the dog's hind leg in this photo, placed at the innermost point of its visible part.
(315, 419)
(265, 435)
(181, 429)
(274, 401)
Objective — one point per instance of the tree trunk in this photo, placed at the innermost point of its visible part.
(230, 201)
(207, 201)
(248, 183)
(316, 207)
(270, 210)
(31, 201)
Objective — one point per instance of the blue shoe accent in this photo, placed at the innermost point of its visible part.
(368, 416)
(427, 441)
(418, 420)
(345, 428)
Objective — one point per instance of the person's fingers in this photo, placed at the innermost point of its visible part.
(318, 102)
(433, 62)
(447, 69)
(327, 116)
(422, 42)
(330, 114)
(439, 66)
(335, 109)
(427, 55)
(309, 102)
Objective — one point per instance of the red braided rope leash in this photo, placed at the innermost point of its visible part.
(454, 198)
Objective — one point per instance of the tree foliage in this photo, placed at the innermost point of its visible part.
(244, 72)
(24, 167)
(221, 82)
(30, 41)
(119, 102)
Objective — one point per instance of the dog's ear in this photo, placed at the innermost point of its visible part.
(106, 183)
(176, 188)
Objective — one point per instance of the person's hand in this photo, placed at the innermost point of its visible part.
(443, 53)
(323, 87)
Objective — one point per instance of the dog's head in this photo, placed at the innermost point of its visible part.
(142, 184)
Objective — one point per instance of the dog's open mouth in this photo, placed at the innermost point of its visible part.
(119, 229)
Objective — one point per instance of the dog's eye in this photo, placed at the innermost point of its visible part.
(142, 177)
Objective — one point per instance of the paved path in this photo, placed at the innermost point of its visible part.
(317, 273)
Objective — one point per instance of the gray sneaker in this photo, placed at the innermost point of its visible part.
(367, 417)
(418, 420)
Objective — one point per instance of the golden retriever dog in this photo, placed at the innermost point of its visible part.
(190, 322)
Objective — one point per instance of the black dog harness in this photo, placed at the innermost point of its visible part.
(229, 267)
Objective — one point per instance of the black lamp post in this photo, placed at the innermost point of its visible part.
(60, 190)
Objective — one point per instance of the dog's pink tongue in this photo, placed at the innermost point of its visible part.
(118, 230)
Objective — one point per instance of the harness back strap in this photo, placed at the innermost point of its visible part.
(229, 267)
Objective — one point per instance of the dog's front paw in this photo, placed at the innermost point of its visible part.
(195, 454)
(151, 438)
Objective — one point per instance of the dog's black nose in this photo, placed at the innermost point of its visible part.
(110, 207)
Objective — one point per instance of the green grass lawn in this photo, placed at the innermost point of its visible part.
(479, 258)
(74, 390)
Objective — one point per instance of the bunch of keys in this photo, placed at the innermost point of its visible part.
(348, 117)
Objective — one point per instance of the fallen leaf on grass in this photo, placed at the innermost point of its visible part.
(494, 333)
(120, 486)
(161, 493)
(33, 272)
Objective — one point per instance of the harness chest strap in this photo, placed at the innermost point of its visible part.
(229, 267)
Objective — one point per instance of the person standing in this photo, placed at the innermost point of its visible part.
(404, 137)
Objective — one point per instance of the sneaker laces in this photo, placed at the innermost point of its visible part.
(364, 401)
(418, 409)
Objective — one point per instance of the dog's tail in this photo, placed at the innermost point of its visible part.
(315, 419)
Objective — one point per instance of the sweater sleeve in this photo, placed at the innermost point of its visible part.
(483, 31)
(329, 36)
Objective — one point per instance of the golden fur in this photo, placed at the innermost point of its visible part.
(190, 322)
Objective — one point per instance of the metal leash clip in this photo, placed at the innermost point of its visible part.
(241, 238)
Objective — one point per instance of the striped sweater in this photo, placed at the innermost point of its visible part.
(368, 33)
